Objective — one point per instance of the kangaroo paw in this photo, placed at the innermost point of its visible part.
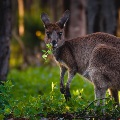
(62, 90)
(67, 95)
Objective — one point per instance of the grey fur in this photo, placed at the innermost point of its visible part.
(96, 55)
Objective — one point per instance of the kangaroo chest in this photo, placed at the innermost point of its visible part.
(61, 62)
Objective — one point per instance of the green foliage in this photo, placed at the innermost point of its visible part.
(34, 93)
(47, 52)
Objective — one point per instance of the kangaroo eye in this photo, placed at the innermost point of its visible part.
(48, 33)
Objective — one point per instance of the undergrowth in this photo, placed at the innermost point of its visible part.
(34, 94)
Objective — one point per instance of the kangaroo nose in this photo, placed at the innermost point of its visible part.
(54, 42)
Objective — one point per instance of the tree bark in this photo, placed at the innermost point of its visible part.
(101, 16)
(55, 6)
(5, 34)
(78, 18)
(66, 6)
(118, 17)
(27, 5)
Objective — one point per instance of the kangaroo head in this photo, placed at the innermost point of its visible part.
(54, 32)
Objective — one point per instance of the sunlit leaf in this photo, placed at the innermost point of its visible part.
(43, 51)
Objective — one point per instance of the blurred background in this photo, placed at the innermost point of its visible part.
(27, 32)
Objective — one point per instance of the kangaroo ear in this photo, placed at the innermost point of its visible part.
(64, 19)
(45, 19)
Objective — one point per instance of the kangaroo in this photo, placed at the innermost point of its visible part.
(96, 56)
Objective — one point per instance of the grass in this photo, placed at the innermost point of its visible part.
(38, 81)
(34, 93)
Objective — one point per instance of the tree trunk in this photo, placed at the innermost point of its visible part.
(78, 18)
(118, 17)
(54, 9)
(5, 34)
(55, 6)
(102, 16)
(27, 5)
(66, 6)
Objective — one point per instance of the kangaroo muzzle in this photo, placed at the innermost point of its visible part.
(54, 43)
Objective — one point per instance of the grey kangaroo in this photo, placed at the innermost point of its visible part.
(96, 56)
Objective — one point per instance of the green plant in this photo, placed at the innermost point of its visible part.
(53, 105)
(32, 95)
(47, 52)
(5, 97)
